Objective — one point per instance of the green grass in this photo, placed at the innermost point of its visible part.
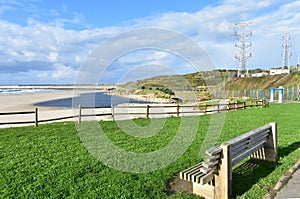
(51, 162)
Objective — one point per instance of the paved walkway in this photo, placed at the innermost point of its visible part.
(291, 189)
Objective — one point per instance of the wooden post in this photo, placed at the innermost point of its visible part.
(177, 110)
(223, 180)
(218, 108)
(36, 119)
(244, 105)
(79, 114)
(147, 112)
(271, 149)
(205, 108)
(235, 106)
(112, 112)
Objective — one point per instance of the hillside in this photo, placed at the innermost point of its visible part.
(193, 80)
(180, 82)
(186, 87)
(262, 83)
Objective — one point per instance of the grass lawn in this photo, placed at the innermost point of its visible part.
(51, 162)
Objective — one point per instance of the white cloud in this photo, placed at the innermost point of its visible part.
(60, 50)
(63, 72)
(53, 56)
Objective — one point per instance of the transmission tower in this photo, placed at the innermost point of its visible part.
(298, 64)
(244, 48)
(286, 54)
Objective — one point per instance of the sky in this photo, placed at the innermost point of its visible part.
(50, 41)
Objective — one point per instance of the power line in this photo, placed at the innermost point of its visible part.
(244, 48)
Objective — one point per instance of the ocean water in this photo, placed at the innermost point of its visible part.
(98, 99)
(21, 91)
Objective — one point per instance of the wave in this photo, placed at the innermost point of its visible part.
(21, 91)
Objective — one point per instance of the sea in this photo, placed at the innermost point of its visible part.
(21, 91)
(97, 99)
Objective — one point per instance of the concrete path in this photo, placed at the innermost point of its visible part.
(291, 189)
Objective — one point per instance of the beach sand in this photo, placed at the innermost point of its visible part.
(25, 102)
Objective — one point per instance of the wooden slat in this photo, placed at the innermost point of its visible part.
(247, 153)
(252, 139)
(25, 122)
(207, 165)
(18, 113)
(210, 158)
(207, 178)
(184, 174)
(214, 150)
(240, 150)
(195, 177)
(207, 170)
(249, 134)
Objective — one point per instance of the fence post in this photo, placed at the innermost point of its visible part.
(147, 112)
(205, 108)
(251, 104)
(177, 110)
(79, 114)
(235, 106)
(218, 108)
(112, 112)
(36, 119)
(244, 105)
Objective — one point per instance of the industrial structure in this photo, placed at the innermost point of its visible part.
(286, 55)
(244, 48)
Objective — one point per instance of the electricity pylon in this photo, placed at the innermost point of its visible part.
(286, 55)
(244, 48)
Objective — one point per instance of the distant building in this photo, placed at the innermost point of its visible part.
(279, 71)
(259, 74)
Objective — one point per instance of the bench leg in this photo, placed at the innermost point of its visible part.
(207, 191)
(223, 180)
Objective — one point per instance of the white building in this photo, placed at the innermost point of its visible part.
(279, 71)
(259, 74)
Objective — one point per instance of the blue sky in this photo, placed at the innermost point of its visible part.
(92, 13)
(46, 42)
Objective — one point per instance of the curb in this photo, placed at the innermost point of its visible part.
(283, 181)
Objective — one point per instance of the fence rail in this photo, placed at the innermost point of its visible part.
(140, 111)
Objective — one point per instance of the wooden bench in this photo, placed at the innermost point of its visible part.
(212, 178)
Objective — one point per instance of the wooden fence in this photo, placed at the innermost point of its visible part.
(141, 111)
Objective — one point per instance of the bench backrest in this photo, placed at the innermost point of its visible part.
(247, 144)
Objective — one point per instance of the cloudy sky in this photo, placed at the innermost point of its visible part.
(48, 41)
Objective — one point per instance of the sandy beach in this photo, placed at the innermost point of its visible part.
(25, 102)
